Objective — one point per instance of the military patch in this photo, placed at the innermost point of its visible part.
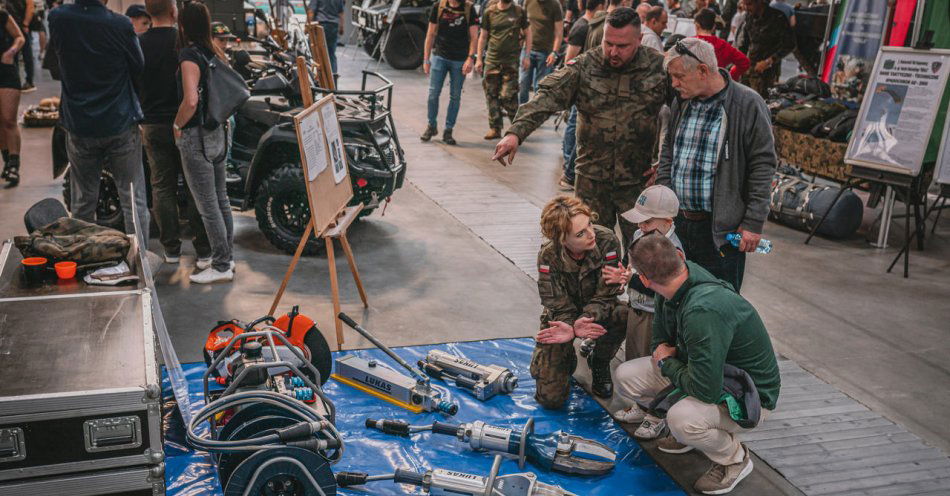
(571, 62)
(611, 256)
(544, 269)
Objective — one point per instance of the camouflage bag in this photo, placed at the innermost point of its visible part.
(74, 240)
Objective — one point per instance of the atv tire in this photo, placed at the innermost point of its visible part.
(404, 46)
(370, 44)
(283, 210)
(108, 209)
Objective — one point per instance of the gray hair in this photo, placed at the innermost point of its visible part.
(701, 49)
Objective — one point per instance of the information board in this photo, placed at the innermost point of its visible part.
(898, 111)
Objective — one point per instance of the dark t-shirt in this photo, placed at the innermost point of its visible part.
(5, 39)
(16, 8)
(199, 55)
(159, 88)
(578, 34)
(451, 41)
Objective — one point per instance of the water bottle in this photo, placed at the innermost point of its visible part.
(765, 246)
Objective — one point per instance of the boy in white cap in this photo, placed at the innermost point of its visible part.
(654, 212)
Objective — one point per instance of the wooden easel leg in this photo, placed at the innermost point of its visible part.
(353, 269)
(335, 291)
(293, 265)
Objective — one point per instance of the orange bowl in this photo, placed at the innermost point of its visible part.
(34, 261)
(65, 270)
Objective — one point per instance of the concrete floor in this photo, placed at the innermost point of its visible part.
(829, 306)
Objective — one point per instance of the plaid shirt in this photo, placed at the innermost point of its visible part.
(696, 152)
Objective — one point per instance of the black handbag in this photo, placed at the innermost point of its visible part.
(223, 92)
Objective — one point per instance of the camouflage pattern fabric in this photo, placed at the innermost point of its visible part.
(74, 240)
(766, 36)
(571, 289)
(616, 113)
(816, 156)
(608, 201)
(504, 29)
(501, 93)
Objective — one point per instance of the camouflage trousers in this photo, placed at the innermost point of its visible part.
(501, 93)
(552, 365)
(760, 82)
(608, 200)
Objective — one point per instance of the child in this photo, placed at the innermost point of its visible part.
(655, 209)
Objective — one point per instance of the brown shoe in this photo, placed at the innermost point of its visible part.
(669, 444)
(721, 479)
(493, 134)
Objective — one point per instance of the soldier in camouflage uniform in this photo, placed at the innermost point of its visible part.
(504, 26)
(577, 301)
(766, 38)
(618, 90)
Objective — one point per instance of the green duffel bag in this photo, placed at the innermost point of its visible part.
(805, 116)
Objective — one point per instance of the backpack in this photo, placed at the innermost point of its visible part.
(805, 85)
(804, 116)
(222, 94)
(468, 6)
(838, 127)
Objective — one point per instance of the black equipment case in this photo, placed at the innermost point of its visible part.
(80, 388)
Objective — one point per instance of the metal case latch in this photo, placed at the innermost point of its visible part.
(110, 434)
(12, 445)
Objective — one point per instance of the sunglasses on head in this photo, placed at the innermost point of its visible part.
(681, 49)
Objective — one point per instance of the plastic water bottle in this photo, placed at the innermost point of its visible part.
(765, 246)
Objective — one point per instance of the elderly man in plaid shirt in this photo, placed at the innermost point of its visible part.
(718, 157)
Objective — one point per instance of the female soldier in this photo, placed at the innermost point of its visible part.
(577, 302)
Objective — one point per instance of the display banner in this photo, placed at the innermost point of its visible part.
(855, 41)
(899, 109)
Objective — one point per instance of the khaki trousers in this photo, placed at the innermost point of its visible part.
(704, 426)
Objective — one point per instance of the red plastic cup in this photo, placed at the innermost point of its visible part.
(65, 270)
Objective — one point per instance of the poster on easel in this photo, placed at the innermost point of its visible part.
(899, 109)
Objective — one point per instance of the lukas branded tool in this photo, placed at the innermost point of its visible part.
(450, 483)
(412, 393)
(558, 451)
(484, 381)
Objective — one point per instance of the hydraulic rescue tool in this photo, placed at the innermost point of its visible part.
(484, 381)
(558, 451)
(450, 483)
(272, 428)
(412, 393)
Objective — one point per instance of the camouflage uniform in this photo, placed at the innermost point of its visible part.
(569, 290)
(501, 61)
(616, 125)
(76, 241)
(766, 36)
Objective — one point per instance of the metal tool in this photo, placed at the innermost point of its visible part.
(412, 393)
(484, 381)
(450, 483)
(558, 451)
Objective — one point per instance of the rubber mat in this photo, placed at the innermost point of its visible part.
(192, 474)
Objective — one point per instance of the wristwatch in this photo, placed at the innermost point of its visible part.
(659, 363)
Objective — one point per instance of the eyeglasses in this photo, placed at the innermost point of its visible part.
(683, 50)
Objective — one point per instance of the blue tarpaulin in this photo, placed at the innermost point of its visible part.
(190, 473)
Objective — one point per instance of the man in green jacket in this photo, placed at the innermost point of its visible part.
(701, 324)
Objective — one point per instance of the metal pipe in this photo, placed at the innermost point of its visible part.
(358, 328)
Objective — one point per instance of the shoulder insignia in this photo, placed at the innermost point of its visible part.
(610, 256)
(572, 61)
(544, 269)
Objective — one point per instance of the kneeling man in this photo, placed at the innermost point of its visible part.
(712, 373)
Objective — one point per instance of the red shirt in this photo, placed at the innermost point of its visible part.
(727, 54)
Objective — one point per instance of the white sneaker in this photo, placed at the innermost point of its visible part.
(211, 275)
(650, 429)
(204, 263)
(630, 415)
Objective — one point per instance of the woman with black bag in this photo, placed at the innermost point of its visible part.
(203, 145)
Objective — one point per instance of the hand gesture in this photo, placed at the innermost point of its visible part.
(559, 332)
(585, 327)
(616, 275)
(507, 147)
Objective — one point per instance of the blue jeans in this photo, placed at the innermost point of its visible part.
(569, 145)
(437, 72)
(331, 32)
(534, 73)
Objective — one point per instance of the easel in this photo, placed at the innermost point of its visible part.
(909, 185)
(321, 58)
(323, 189)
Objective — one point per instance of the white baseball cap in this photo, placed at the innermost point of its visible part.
(656, 202)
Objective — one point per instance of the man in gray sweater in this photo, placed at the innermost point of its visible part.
(719, 158)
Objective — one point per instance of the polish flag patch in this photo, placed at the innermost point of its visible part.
(544, 269)
(611, 256)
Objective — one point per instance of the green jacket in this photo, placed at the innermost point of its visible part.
(571, 289)
(711, 325)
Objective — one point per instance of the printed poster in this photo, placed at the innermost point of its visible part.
(311, 135)
(899, 109)
(335, 142)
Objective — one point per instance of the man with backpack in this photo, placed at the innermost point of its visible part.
(453, 33)
(504, 32)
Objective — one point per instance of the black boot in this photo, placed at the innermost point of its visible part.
(602, 385)
(11, 171)
(447, 137)
(429, 133)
